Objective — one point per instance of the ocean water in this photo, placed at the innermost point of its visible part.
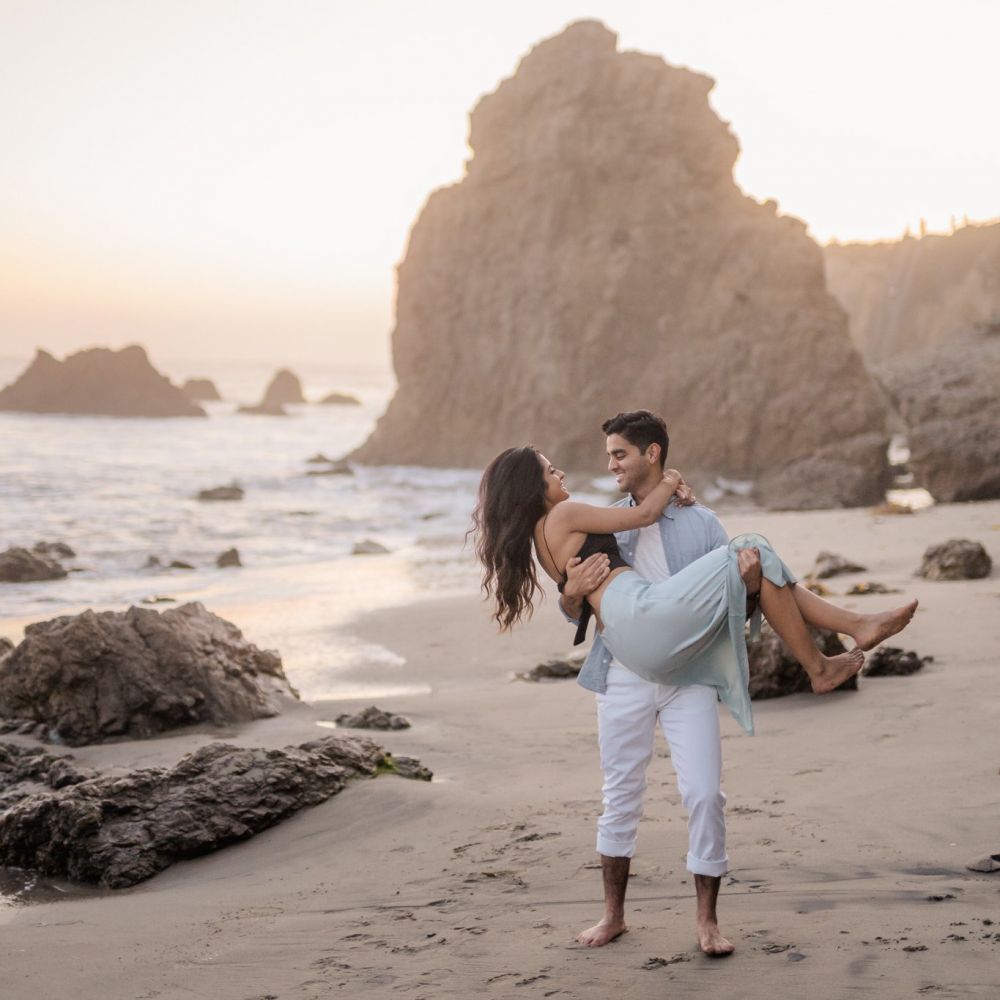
(119, 491)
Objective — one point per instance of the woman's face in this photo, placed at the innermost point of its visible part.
(555, 492)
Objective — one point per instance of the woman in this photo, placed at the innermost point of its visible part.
(687, 629)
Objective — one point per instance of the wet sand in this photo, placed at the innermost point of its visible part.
(850, 819)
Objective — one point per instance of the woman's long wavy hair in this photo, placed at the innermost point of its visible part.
(511, 500)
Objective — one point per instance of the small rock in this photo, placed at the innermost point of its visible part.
(232, 492)
(555, 669)
(830, 564)
(231, 557)
(870, 587)
(956, 559)
(5, 646)
(320, 459)
(18, 565)
(373, 718)
(409, 767)
(889, 661)
(340, 399)
(180, 564)
(152, 562)
(341, 467)
(53, 550)
(367, 547)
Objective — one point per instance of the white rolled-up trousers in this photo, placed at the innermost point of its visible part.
(627, 716)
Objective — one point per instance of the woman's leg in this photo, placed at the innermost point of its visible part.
(782, 612)
(866, 630)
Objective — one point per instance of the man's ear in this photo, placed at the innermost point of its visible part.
(653, 453)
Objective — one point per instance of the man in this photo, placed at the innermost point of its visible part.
(628, 707)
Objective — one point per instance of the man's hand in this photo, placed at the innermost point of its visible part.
(583, 578)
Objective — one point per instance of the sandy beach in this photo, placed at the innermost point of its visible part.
(850, 820)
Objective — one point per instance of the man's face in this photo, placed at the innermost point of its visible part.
(633, 470)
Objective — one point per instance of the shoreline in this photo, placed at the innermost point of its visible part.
(850, 818)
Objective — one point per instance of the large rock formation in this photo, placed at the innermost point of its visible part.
(119, 830)
(99, 381)
(598, 256)
(99, 676)
(948, 399)
(926, 315)
(912, 294)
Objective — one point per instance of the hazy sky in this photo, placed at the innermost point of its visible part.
(236, 179)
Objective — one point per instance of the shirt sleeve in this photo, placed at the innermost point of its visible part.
(716, 533)
(562, 611)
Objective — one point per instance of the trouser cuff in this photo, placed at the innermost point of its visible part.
(714, 869)
(615, 848)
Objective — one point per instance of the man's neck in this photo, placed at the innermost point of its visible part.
(642, 491)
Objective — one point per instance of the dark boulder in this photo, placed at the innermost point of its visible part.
(18, 565)
(368, 547)
(98, 381)
(373, 718)
(890, 661)
(775, 673)
(53, 550)
(232, 492)
(558, 668)
(231, 557)
(957, 559)
(830, 564)
(117, 831)
(201, 390)
(98, 676)
(340, 467)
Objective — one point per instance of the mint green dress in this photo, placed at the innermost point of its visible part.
(689, 628)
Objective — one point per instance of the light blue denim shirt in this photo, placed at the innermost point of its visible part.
(687, 533)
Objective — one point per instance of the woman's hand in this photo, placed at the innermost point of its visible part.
(673, 479)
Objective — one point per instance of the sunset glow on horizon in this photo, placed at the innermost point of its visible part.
(209, 178)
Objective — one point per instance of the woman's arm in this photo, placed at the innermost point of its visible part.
(573, 516)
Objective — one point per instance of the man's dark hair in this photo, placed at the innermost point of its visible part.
(641, 428)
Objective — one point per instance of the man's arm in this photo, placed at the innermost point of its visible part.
(582, 578)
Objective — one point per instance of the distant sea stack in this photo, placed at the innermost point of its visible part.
(201, 390)
(284, 388)
(97, 381)
(598, 256)
(926, 315)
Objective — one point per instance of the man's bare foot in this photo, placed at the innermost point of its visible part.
(600, 934)
(712, 942)
(834, 670)
(877, 628)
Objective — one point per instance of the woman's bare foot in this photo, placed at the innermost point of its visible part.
(877, 628)
(832, 671)
(600, 934)
(712, 942)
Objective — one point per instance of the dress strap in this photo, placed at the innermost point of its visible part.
(549, 550)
